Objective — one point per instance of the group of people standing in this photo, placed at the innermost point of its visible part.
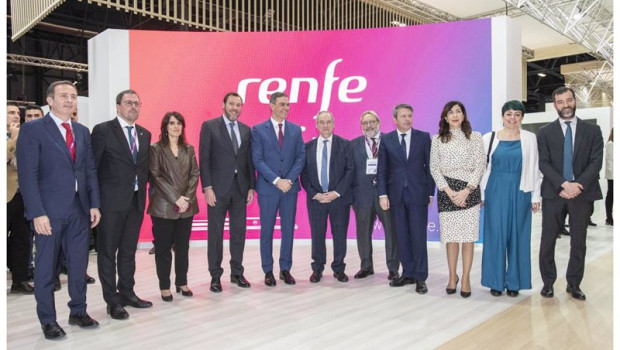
(71, 180)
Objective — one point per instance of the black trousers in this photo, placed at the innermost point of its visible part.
(18, 241)
(116, 250)
(338, 215)
(167, 232)
(234, 203)
(609, 201)
(579, 210)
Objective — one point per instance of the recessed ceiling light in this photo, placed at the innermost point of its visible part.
(542, 75)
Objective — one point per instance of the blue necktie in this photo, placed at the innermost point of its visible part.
(403, 145)
(568, 153)
(324, 179)
(132, 144)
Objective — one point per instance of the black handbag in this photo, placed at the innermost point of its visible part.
(445, 204)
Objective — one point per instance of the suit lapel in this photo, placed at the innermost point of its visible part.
(143, 147)
(272, 135)
(224, 131)
(175, 163)
(312, 169)
(55, 134)
(578, 138)
(79, 142)
(122, 140)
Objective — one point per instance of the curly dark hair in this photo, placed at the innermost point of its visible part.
(444, 127)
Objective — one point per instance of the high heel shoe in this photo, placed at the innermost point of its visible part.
(453, 290)
(185, 293)
(166, 298)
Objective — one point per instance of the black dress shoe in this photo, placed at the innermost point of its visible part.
(316, 276)
(22, 288)
(117, 312)
(591, 223)
(188, 292)
(564, 231)
(341, 277)
(285, 275)
(575, 292)
(82, 320)
(216, 285)
(453, 290)
(363, 274)
(270, 280)
(166, 298)
(392, 275)
(136, 302)
(57, 284)
(547, 291)
(401, 281)
(512, 293)
(89, 280)
(496, 293)
(240, 281)
(420, 287)
(52, 331)
(609, 222)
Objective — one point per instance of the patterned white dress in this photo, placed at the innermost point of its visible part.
(461, 159)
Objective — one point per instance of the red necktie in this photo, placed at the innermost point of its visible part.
(374, 149)
(69, 140)
(280, 136)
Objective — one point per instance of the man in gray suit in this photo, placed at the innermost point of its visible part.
(365, 151)
(570, 158)
(227, 176)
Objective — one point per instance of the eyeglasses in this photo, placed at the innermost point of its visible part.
(370, 122)
(132, 103)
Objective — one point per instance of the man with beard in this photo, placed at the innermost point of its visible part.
(365, 152)
(121, 149)
(570, 157)
(227, 176)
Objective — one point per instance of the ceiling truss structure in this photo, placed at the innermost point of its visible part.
(46, 62)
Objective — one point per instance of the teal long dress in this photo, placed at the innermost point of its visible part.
(506, 262)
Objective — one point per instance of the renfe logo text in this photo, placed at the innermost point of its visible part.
(347, 88)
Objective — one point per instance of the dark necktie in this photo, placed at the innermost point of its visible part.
(324, 178)
(133, 147)
(280, 136)
(374, 148)
(403, 145)
(69, 140)
(568, 153)
(233, 136)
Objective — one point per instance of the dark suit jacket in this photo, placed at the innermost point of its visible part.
(587, 158)
(47, 175)
(218, 160)
(396, 173)
(115, 167)
(272, 162)
(363, 189)
(170, 179)
(340, 171)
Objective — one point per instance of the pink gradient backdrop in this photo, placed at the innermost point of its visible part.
(424, 66)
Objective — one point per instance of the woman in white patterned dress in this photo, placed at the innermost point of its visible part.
(457, 165)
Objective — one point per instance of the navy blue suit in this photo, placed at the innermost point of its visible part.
(340, 177)
(408, 184)
(271, 162)
(47, 178)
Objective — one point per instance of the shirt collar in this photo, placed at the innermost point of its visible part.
(275, 122)
(57, 120)
(228, 121)
(124, 123)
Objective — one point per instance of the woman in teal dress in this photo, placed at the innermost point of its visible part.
(510, 193)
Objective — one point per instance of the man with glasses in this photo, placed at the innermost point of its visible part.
(365, 151)
(121, 149)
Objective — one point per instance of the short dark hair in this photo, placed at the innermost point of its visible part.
(232, 93)
(401, 106)
(12, 104)
(52, 87)
(561, 90)
(163, 135)
(120, 95)
(514, 105)
(275, 96)
(31, 107)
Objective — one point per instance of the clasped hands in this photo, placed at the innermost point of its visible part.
(284, 185)
(571, 190)
(326, 197)
(182, 203)
(458, 198)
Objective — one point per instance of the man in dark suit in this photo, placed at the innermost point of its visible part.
(365, 153)
(58, 181)
(279, 154)
(227, 176)
(405, 186)
(570, 158)
(327, 177)
(121, 149)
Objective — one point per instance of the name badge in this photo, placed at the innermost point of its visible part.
(371, 166)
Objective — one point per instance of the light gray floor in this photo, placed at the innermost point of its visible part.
(360, 314)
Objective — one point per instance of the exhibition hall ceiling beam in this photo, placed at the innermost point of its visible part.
(46, 62)
(587, 22)
(27, 13)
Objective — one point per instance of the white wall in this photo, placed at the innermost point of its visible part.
(506, 65)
